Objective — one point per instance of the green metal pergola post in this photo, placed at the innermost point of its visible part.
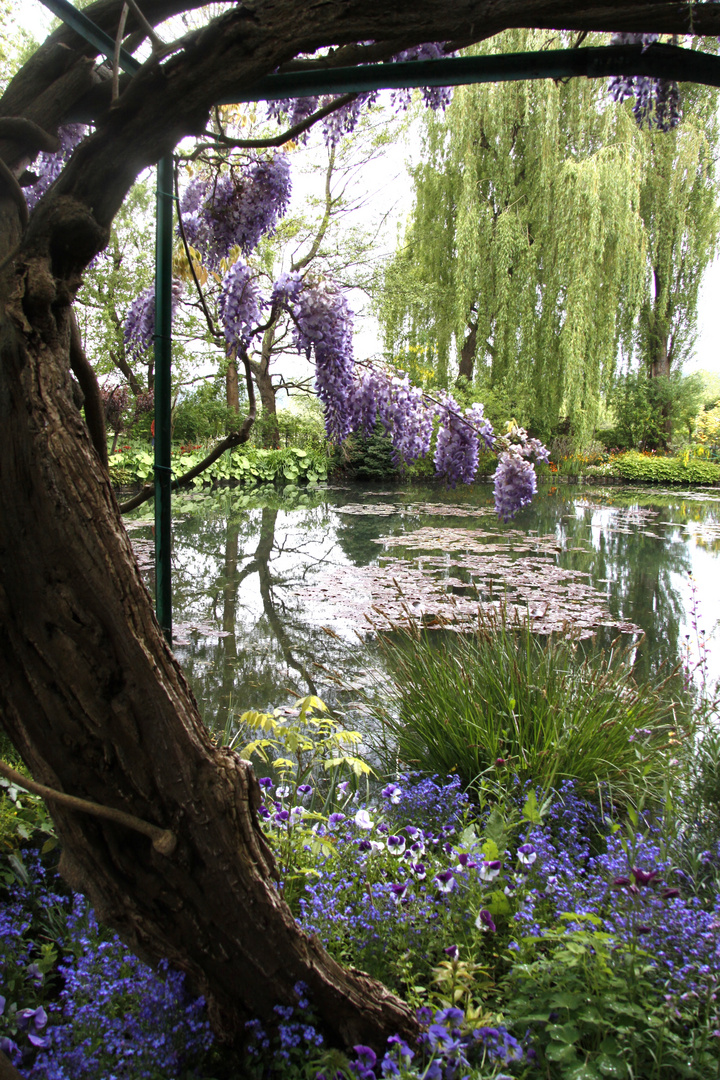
(163, 362)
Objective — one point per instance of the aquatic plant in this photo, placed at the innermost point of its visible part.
(502, 702)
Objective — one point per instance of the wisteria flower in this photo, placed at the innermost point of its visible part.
(445, 881)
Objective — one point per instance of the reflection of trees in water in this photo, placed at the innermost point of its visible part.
(261, 650)
(636, 569)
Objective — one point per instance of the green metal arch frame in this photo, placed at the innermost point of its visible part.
(660, 61)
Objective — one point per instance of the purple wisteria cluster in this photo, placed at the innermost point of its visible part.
(139, 329)
(458, 441)
(379, 396)
(47, 167)
(236, 209)
(344, 120)
(323, 326)
(240, 305)
(434, 97)
(515, 481)
(657, 101)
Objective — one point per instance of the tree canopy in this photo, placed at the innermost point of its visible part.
(90, 693)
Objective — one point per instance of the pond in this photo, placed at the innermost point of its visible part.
(276, 593)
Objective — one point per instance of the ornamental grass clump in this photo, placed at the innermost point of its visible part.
(503, 706)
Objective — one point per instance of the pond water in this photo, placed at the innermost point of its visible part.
(276, 593)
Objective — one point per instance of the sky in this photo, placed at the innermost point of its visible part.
(391, 193)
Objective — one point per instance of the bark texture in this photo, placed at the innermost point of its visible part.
(89, 692)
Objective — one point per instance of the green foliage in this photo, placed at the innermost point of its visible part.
(662, 470)
(594, 1011)
(311, 761)
(203, 414)
(526, 234)
(502, 703)
(361, 458)
(549, 230)
(681, 224)
(650, 413)
(23, 817)
(248, 465)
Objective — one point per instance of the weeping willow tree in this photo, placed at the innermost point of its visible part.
(681, 219)
(526, 255)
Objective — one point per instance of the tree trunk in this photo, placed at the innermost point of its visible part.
(263, 379)
(99, 708)
(271, 437)
(232, 386)
(466, 368)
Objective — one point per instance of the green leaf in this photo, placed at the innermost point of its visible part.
(18, 866)
(586, 1071)
(614, 1068)
(531, 811)
(561, 1052)
(490, 850)
(566, 1001)
(566, 1033)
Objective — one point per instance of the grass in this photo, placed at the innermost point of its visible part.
(503, 701)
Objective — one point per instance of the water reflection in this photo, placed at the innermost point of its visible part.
(246, 569)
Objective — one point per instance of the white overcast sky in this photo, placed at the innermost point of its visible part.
(393, 192)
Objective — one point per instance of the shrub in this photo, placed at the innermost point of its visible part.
(247, 465)
(665, 470)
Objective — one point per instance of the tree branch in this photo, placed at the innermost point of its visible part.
(235, 438)
(276, 140)
(163, 840)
